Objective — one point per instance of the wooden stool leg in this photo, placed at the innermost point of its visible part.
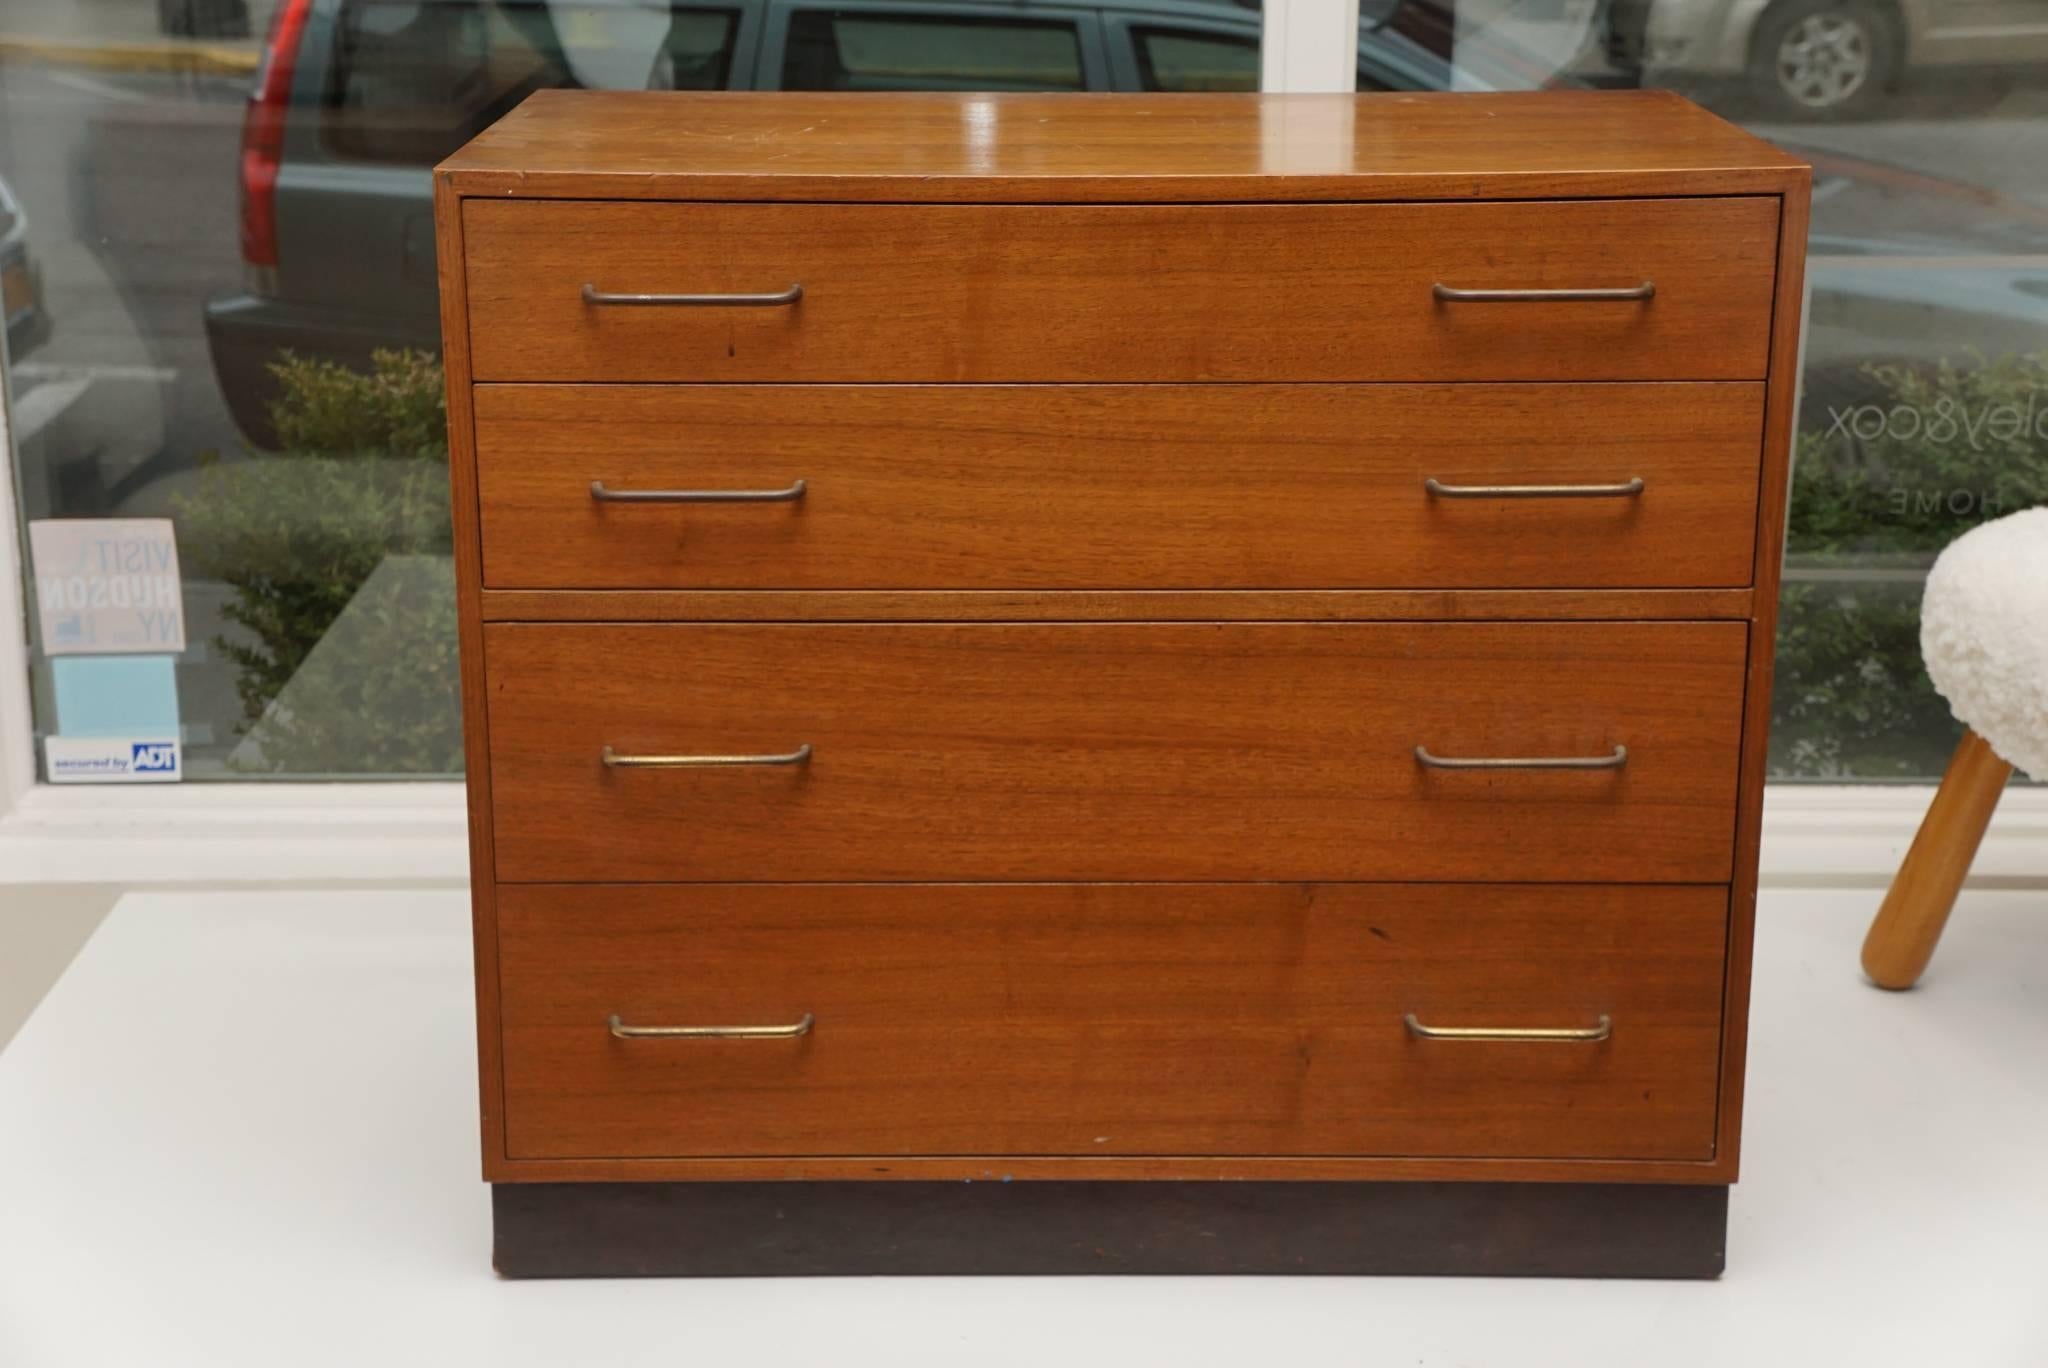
(1908, 926)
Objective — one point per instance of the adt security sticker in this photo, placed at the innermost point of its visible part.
(107, 586)
(112, 760)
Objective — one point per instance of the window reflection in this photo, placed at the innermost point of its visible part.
(410, 81)
(217, 272)
(854, 49)
(1191, 59)
(1925, 398)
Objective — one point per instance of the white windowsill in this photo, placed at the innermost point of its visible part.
(414, 834)
(1838, 837)
(231, 833)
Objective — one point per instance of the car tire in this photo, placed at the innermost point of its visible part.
(1823, 59)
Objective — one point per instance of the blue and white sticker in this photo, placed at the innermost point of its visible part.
(113, 759)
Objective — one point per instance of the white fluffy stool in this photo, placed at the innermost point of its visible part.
(1984, 635)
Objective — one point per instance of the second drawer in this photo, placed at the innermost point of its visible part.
(1229, 751)
(1118, 486)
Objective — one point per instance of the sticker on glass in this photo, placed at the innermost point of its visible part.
(107, 585)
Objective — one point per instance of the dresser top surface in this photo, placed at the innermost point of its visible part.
(1112, 148)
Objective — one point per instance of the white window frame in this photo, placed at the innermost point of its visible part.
(17, 728)
(1309, 47)
(413, 833)
(260, 831)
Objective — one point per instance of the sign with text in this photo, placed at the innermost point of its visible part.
(107, 585)
(112, 759)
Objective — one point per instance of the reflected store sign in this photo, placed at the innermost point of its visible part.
(107, 585)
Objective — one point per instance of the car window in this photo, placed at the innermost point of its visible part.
(413, 80)
(1179, 59)
(858, 50)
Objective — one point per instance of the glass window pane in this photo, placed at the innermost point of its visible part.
(871, 50)
(412, 80)
(198, 288)
(1170, 59)
(217, 268)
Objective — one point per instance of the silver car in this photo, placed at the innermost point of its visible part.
(1821, 58)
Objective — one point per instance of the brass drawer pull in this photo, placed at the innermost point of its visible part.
(614, 760)
(1450, 295)
(1567, 762)
(1565, 1033)
(593, 295)
(1628, 489)
(602, 494)
(625, 1032)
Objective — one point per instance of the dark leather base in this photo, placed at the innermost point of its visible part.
(832, 1229)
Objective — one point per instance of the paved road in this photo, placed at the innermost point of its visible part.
(128, 180)
(105, 22)
(1987, 129)
(1992, 135)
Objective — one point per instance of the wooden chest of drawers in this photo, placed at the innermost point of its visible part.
(1025, 657)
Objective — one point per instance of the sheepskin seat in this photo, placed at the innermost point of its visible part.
(1984, 635)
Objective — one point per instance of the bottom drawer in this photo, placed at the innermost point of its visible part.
(1111, 1019)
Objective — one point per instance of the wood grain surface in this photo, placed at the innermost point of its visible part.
(1115, 751)
(1111, 1020)
(789, 145)
(1112, 605)
(1118, 486)
(1207, 728)
(1098, 293)
(1909, 922)
(468, 555)
(1781, 409)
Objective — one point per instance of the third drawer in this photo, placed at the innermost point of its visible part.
(1118, 486)
(1210, 751)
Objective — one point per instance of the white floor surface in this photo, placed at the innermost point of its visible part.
(241, 1130)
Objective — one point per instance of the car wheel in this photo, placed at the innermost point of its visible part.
(1823, 59)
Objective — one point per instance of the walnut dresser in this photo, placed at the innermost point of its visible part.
(1140, 684)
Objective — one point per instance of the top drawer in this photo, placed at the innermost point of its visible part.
(1123, 292)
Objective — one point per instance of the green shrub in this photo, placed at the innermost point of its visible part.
(1852, 700)
(1876, 495)
(334, 677)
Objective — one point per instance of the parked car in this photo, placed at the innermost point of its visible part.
(356, 99)
(1820, 58)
